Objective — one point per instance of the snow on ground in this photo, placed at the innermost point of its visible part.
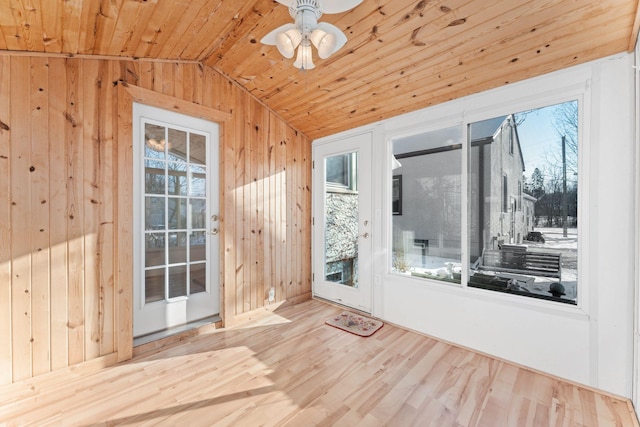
(554, 242)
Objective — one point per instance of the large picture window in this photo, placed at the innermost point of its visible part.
(522, 204)
(427, 238)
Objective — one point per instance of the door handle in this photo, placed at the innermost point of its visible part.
(214, 231)
(365, 235)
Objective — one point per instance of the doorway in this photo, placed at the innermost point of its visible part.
(342, 222)
(176, 239)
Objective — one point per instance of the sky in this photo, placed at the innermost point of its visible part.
(538, 138)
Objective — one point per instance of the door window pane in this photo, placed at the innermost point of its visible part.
(154, 213)
(197, 149)
(154, 177)
(198, 213)
(197, 243)
(155, 141)
(175, 213)
(177, 179)
(198, 278)
(197, 185)
(177, 281)
(341, 171)
(154, 285)
(177, 148)
(177, 248)
(341, 232)
(523, 203)
(427, 205)
(154, 249)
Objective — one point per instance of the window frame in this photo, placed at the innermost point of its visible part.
(579, 92)
(352, 184)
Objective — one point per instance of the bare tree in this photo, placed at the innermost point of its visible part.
(565, 122)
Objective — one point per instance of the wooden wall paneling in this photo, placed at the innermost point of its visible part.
(89, 202)
(275, 138)
(247, 214)
(185, 89)
(300, 211)
(124, 223)
(52, 21)
(257, 259)
(308, 180)
(212, 91)
(21, 313)
(70, 298)
(106, 219)
(270, 226)
(281, 207)
(39, 216)
(274, 187)
(58, 213)
(289, 215)
(261, 126)
(252, 211)
(75, 219)
(303, 212)
(157, 77)
(168, 79)
(225, 92)
(146, 75)
(237, 292)
(295, 206)
(266, 208)
(6, 370)
(232, 199)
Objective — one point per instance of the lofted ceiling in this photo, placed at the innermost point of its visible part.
(402, 55)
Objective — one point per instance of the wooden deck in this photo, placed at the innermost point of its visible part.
(289, 368)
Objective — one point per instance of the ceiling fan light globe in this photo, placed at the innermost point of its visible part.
(326, 43)
(287, 41)
(304, 60)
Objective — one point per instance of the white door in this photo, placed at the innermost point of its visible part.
(176, 262)
(342, 269)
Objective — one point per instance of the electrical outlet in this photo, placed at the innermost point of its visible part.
(272, 295)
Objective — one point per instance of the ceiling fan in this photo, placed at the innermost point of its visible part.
(327, 38)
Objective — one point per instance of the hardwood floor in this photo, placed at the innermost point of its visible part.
(289, 368)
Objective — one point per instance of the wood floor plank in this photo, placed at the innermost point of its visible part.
(287, 368)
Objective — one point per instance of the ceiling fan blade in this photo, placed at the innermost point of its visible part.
(270, 38)
(288, 3)
(335, 6)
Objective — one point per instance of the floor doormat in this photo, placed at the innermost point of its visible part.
(355, 323)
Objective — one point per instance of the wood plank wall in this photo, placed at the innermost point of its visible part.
(59, 161)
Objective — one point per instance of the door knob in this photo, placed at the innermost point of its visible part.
(214, 231)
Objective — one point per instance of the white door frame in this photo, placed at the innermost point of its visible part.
(361, 297)
(180, 310)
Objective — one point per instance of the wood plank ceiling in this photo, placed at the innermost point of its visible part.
(402, 55)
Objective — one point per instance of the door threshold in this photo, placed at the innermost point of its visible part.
(156, 336)
(342, 305)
